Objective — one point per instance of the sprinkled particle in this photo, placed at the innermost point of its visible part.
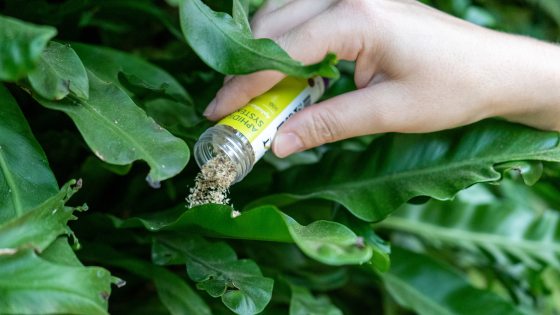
(213, 182)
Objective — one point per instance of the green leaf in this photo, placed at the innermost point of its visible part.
(161, 96)
(176, 295)
(21, 44)
(239, 13)
(230, 48)
(119, 132)
(303, 273)
(172, 111)
(173, 3)
(397, 167)
(175, 117)
(60, 252)
(325, 241)
(304, 303)
(429, 287)
(530, 171)
(25, 177)
(59, 73)
(381, 250)
(218, 271)
(329, 242)
(480, 16)
(143, 90)
(511, 191)
(39, 227)
(552, 280)
(174, 292)
(30, 284)
(551, 7)
(500, 228)
(107, 63)
(125, 16)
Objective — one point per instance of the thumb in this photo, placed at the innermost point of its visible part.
(367, 111)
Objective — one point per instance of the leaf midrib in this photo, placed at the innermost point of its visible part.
(119, 132)
(242, 44)
(437, 168)
(13, 189)
(444, 233)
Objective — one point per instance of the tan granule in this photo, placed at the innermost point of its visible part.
(212, 182)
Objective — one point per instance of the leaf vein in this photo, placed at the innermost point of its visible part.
(13, 189)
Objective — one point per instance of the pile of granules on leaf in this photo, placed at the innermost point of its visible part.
(213, 182)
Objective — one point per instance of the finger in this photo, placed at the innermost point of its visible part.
(269, 13)
(239, 90)
(287, 17)
(376, 109)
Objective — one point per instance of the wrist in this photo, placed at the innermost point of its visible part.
(524, 81)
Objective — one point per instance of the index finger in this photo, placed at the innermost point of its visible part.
(239, 90)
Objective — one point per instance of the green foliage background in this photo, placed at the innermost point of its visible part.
(110, 92)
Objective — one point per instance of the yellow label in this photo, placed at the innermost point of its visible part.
(254, 117)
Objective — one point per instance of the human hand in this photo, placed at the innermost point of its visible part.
(417, 70)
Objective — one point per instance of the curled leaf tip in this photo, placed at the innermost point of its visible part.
(118, 282)
(155, 184)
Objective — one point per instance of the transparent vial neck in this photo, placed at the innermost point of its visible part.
(222, 139)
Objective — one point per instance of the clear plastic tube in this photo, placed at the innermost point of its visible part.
(245, 135)
(228, 141)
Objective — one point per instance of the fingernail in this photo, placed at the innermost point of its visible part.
(286, 144)
(210, 109)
